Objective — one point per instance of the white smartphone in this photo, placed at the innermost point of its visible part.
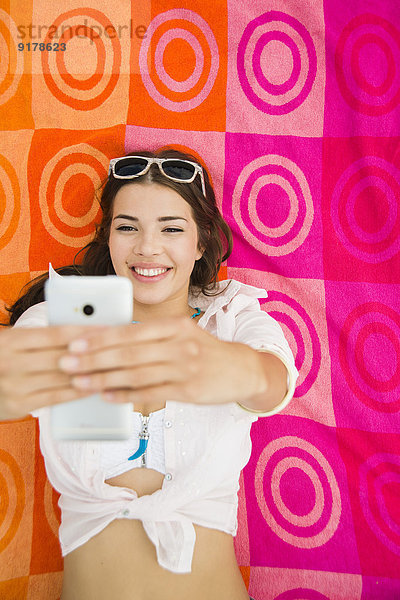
(76, 300)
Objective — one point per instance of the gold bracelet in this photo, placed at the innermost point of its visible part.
(286, 399)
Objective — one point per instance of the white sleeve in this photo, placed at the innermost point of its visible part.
(34, 316)
(259, 330)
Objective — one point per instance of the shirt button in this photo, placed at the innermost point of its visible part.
(168, 476)
(125, 512)
(168, 424)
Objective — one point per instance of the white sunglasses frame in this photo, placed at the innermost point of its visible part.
(198, 169)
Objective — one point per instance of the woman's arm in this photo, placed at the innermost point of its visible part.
(273, 380)
(29, 373)
(174, 359)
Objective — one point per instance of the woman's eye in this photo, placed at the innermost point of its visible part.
(131, 228)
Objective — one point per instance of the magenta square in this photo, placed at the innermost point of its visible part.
(372, 461)
(272, 203)
(362, 68)
(364, 342)
(380, 588)
(297, 502)
(361, 209)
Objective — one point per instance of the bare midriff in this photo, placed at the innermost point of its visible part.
(120, 562)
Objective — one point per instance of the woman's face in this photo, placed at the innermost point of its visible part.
(154, 242)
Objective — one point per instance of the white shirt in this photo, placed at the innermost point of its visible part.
(115, 455)
(206, 447)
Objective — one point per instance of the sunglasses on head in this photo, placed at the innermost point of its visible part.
(176, 169)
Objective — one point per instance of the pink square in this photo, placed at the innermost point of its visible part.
(207, 145)
(364, 333)
(293, 584)
(271, 202)
(372, 461)
(362, 70)
(298, 507)
(360, 209)
(241, 540)
(298, 306)
(276, 68)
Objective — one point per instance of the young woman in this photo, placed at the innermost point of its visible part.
(201, 363)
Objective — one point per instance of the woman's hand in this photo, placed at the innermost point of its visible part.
(30, 377)
(167, 359)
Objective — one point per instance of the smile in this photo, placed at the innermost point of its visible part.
(149, 274)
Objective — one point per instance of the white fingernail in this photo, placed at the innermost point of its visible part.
(68, 363)
(78, 346)
(82, 382)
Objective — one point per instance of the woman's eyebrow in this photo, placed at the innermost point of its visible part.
(161, 219)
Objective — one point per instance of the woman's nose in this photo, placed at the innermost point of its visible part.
(147, 244)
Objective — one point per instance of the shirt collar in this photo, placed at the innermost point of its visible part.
(228, 290)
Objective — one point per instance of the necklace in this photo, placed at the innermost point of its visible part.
(144, 434)
(195, 314)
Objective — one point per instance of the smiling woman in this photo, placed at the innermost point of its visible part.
(153, 517)
(158, 257)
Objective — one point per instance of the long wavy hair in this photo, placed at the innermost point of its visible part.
(214, 234)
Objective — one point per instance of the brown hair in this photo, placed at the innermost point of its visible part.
(214, 234)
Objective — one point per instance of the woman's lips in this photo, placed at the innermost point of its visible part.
(149, 279)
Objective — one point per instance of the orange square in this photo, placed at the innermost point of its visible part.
(17, 454)
(46, 551)
(14, 588)
(14, 204)
(179, 76)
(46, 586)
(15, 86)
(64, 170)
(10, 291)
(82, 82)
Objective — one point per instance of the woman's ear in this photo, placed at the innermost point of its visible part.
(200, 252)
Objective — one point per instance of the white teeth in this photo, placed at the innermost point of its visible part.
(149, 272)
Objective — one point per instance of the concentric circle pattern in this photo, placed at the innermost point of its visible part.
(50, 500)
(308, 521)
(301, 594)
(367, 62)
(377, 474)
(80, 159)
(278, 39)
(368, 329)
(10, 201)
(179, 24)
(12, 61)
(12, 498)
(378, 179)
(91, 92)
(281, 172)
(301, 334)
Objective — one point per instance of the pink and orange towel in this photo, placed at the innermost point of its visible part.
(295, 107)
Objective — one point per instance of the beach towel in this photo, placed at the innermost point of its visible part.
(295, 107)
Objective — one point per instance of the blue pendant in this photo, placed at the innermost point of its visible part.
(141, 450)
